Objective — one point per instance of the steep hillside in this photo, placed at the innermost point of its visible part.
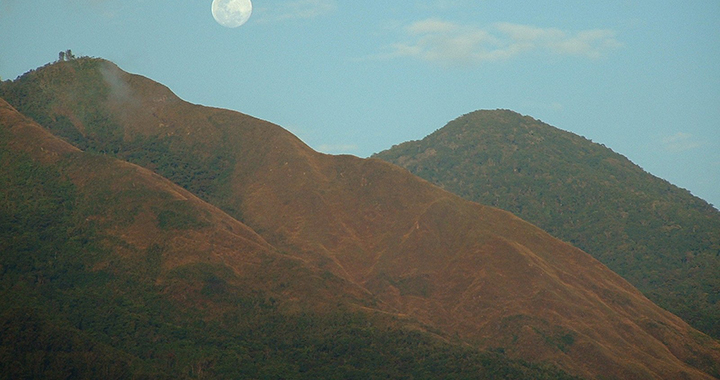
(475, 273)
(662, 239)
(108, 270)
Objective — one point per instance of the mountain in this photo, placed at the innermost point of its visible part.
(410, 268)
(109, 270)
(659, 237)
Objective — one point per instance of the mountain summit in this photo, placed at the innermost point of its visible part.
(360, 234)
(659, 237)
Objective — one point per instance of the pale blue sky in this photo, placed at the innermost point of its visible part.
(641, 77)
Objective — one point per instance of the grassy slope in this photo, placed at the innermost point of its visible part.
(417, 248)
(659, 237)
(110, 271)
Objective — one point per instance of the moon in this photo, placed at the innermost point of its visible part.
(231, 13)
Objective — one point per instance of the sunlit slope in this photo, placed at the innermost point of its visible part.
(659, 237)
(108, 270)
(472, 272)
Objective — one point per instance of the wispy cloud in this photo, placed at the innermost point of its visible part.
(450, 43)
(680, 142)
(297, 9)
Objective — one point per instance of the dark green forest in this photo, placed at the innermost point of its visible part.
(662, 239)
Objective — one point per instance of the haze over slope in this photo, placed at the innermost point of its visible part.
(662, 239)
(463, 269)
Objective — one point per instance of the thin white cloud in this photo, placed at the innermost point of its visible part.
(680, 142)
(450, 43)
(297, 9)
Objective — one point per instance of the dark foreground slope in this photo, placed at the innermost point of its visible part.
(662, 239)
(110, 271)
(474, 273)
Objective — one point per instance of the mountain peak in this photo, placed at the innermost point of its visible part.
(353, 228)
(654, 234)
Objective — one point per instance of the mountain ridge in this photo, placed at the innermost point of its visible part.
(157, 276)
(412, 246)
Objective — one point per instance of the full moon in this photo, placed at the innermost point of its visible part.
(231, 13)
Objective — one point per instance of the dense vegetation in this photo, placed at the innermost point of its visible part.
(662, 239)
(75, 304)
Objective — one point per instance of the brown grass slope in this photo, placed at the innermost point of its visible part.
(209, 297)
(472, 271)
(136, 211)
